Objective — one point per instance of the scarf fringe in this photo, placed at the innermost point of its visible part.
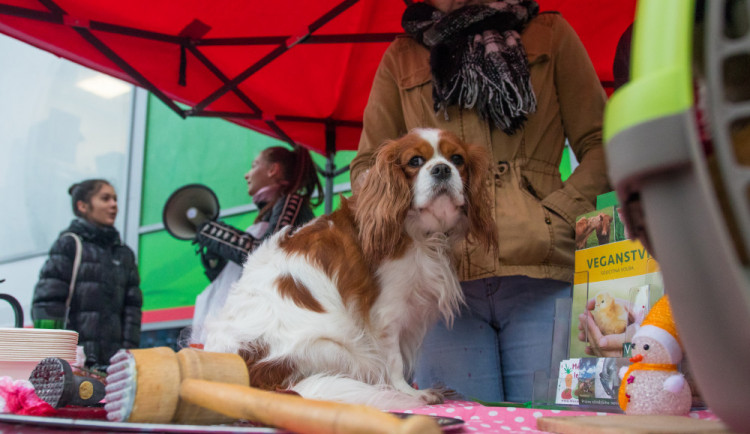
(488, 70)
(506, 103)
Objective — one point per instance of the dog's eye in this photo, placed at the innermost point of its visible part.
(457, 160)
(416, 161)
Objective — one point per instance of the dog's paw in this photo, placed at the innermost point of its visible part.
(431, 396)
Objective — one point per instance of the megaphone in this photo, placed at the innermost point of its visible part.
(187, 208)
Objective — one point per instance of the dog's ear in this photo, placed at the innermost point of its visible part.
(382, 203)
(482, 226)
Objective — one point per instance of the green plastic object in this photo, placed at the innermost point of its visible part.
(661, 79)
(665, 156)
(49, 324)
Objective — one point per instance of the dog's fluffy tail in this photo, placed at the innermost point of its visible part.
(343, 389)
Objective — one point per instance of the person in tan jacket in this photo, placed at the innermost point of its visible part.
(502, 75)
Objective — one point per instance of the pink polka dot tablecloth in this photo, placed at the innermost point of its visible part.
(483, 419)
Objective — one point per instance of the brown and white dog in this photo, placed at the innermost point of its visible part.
(338, 309)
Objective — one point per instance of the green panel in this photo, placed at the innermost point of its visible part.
(171, 272)
(565, 166)
(208, 151)
(169, 275)
(341, 159)
(661, 80)
(607, 199)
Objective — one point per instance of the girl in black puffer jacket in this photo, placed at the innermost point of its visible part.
(106, 305)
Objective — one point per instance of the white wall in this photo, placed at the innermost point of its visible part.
(57, 129)
(20, 278)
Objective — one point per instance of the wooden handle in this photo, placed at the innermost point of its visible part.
(298, 414)
(215, 367)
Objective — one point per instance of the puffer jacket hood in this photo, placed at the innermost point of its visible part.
(102, 235)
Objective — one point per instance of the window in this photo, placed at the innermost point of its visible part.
(61, 123)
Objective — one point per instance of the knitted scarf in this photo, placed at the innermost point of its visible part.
(622, 397)
(477, 59)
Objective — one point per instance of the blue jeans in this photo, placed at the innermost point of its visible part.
(500, 339)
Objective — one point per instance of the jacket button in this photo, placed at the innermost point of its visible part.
(502, 166)
(547, 220)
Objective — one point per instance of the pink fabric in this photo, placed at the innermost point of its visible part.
(18, 397)
(482, 419)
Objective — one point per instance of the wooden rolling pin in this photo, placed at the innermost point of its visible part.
(299, 414)
(158, 386)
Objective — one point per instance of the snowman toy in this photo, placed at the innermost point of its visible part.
(652, 384)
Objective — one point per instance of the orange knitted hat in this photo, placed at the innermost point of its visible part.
(660, 326)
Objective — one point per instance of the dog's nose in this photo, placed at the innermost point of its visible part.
(441, 171)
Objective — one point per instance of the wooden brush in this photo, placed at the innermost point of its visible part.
(158, 386)
(147, 394)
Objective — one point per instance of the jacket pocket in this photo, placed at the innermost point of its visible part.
(562, 236)
(523, 229)
(539, 179)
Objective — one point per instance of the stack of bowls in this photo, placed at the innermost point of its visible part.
(21, 349)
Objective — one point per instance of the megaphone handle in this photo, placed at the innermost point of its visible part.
(226, 241)
(196, 216)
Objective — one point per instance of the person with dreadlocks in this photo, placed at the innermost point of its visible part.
(500, 74)
(281, 183)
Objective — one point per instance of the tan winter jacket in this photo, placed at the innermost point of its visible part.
(534, 210)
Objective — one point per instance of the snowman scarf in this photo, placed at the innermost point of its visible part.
(622, 397)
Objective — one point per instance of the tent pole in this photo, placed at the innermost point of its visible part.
(330, 165)
(329, 184)
(330, 172)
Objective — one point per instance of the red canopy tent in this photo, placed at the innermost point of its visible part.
(296, 70)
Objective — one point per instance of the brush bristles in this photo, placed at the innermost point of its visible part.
(121, 386)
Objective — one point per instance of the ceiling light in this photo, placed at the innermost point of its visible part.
(104, 86)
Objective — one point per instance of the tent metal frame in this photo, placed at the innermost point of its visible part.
(191, 39)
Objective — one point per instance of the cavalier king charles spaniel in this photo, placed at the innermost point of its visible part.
(338, 309)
